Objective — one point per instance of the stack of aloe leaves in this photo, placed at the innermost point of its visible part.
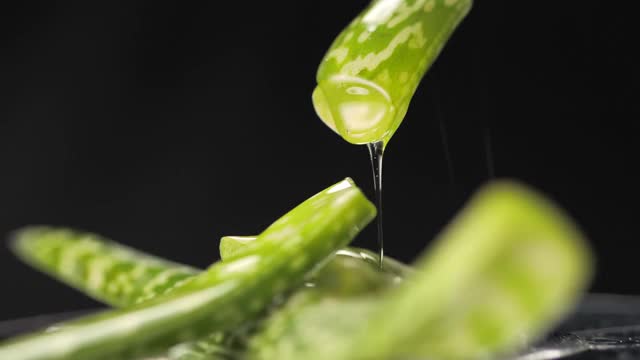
(500, 275)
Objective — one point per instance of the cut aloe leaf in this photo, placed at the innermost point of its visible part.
(223, 297)
(129, 276)
(371, 71)
(500, 275)
(234, 246)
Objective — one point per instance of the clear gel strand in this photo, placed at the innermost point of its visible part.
(376, 150)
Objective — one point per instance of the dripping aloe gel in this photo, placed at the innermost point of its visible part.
(367, 78)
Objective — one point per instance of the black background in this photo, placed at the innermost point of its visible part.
(167, 125)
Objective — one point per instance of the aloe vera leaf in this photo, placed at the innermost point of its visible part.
(351, 271)
(109, 272)
(80, 259)
(369, 74)
(340, 297)
(345, 277)
(224, 296)
(508, 267)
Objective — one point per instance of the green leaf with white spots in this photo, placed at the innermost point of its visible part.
(352, 271)
(129, 277)
(371, 71)
(499, 276)
(109, 272)
(223, 297)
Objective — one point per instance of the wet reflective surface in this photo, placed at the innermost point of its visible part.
(604, 327)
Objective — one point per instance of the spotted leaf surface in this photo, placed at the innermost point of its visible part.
(107, 271)
(126, 276)
(224, 296)
(371, 71)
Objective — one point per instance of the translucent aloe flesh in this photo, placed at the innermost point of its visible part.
(371, 71)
